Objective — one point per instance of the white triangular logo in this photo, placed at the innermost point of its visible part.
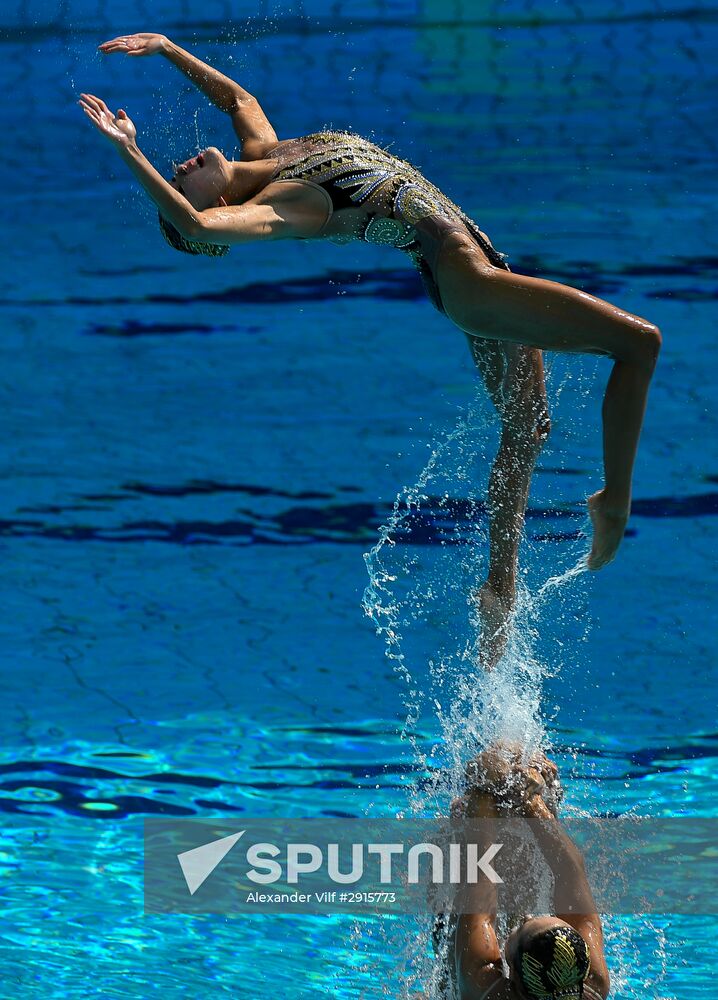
(199, 863)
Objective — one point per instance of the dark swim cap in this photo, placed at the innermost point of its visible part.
(180, 242)
(554, 964)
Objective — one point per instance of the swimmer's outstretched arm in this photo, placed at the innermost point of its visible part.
(253, 220)
(121, 132)
(248, 119)
(499, 781)
(573, 898)
(477, 956)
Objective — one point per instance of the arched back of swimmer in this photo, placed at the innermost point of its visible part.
(340, 187)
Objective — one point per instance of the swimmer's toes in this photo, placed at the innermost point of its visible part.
(607, 537)
(608, 529)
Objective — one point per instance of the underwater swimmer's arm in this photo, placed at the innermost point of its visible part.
(477, 955)
(572, 891)
(499, 782)
(249, 121)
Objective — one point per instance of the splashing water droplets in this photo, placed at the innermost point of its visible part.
(421, 607)
(421, 599)
(554, 582)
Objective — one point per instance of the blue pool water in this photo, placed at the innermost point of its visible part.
(198, 454)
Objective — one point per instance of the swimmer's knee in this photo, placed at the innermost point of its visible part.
(654, 341)
(644, 347)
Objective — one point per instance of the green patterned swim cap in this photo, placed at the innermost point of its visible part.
(554, 964)
(180, 242)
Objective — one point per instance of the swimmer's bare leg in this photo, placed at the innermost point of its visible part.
(487, 301)
(514, 379)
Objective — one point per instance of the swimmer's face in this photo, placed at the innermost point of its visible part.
(203, 179)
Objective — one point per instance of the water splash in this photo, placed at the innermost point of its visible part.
(421, 602)
(381, 601)
(555, 582)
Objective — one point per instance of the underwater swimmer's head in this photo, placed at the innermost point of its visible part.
(549, 960)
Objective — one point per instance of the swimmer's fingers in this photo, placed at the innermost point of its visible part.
(97, 104)
(549, 771)
(91, 117)
(516, 751)
(538, 808)
(504, 772)
(551, 799)
(123, 43)
(101, 125)
(94, 116)
(116, 45)
(119, 129)
(534, 781)
(552, 792)
(89, 101)
(556, 790)
(144, 43)
(546, 766)
(488, 769)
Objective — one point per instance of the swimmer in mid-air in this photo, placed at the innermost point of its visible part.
(551, 957)
(340, 187)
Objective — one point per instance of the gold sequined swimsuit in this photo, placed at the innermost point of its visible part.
(404, 210)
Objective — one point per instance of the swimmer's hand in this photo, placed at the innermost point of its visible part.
(514, 783)
(119, 128)
(146, 43)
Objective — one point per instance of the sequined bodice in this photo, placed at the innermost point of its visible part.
(383, 199)
(395, 195)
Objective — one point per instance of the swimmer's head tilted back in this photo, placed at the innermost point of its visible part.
(549, 960)
(203, 180)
